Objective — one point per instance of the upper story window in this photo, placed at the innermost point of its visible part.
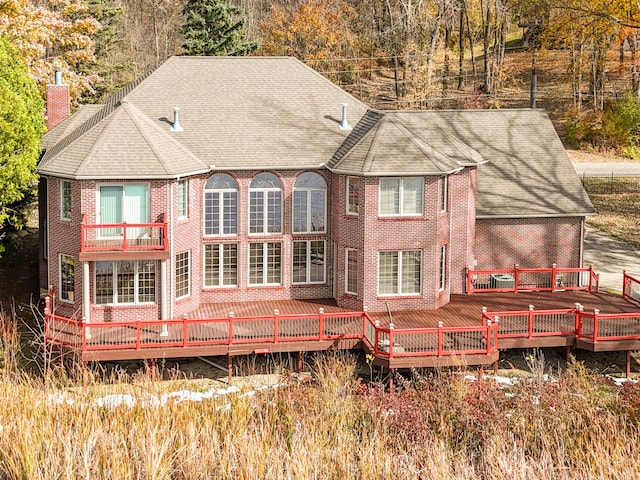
(444, 193)
(265, 204)
(124, 203)
(309, 203)
(353, 195)
(65, 199)
(401, 196)
(183, 198)
(221, 205)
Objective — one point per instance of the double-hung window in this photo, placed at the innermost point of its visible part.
(351, 274)
(265, 263)
(442, 270)
(67, 277)
(220, 265)
(221, 205)
(309, 203)
(444, 192)
(401, 196)
(183, 274)
(308, 261)
(399, 272)
(265, 204)
(125, 281)
(65, 200)
(353, 195)
(183, 198)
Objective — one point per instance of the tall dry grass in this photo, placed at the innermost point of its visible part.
(437, 425)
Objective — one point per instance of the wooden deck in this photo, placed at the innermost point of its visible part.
(456, 334)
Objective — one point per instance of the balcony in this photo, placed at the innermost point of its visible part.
(123, 239)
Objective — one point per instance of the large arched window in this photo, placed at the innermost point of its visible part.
(221, 205)
(265, 204)
(309, 203)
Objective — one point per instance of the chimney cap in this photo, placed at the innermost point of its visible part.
(57, 78)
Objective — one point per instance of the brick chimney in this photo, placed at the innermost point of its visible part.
(58, 102)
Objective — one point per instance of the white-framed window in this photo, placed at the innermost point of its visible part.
(309, 203)
(221, 265)
(265, 263)
(351, 271)
(399, 272)
(65, 199)
(124, 282)
(183, 276)
(265, 204)
(183, 198)
(444, 192)
(123, 203)
(221, 205)
(354, 184)
(401, 196)
(309, 261)
(67, 277)
(442, 268)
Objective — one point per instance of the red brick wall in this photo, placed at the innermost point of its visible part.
(529, 242)
(370, 234)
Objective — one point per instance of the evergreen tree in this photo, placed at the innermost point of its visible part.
(214, 27)
(21, 128)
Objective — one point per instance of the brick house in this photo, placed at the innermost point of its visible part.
(243, 179)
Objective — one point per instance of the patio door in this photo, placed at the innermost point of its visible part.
(123, 203)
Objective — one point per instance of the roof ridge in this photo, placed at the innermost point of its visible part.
(375, 143)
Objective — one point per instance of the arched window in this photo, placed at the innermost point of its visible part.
(265, 204)
(309, 203)
(221, 205)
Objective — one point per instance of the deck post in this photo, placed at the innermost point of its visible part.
(480, 373)
(229, 368)
(627, 370)
(495, 367)
(596, 312)
(86, 297)
(567, 353)
(300, 362)
(391, 372)
(530, 332)
(164, 298)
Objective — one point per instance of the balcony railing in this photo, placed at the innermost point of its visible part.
(124, 237)
(532, 279)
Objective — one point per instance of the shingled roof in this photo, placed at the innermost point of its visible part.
(277, 113)
(237, 113)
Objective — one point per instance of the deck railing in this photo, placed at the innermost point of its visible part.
(430, 342)
(534, 323)
(598, 327)
(123, 237)
(532, 279)
(630, 288)
(276, 328)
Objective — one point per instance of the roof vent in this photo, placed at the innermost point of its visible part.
(344, 124)
(175, 126)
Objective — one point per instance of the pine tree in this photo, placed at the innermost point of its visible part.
(214, 27)
(21, 128)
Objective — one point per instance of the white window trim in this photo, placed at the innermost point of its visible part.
(114, 286)
(219, 193)
(147, 186)
(60, 297)
(221, 247)
(401, 200)
(348, 203)
(265, 216)
(308, 191)
(188, 294)
(442, 271)
(347, 252)
(444, 194)
(399, 294)
(64, 215)
(185, 200)
(308, 263)
(265, 274)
